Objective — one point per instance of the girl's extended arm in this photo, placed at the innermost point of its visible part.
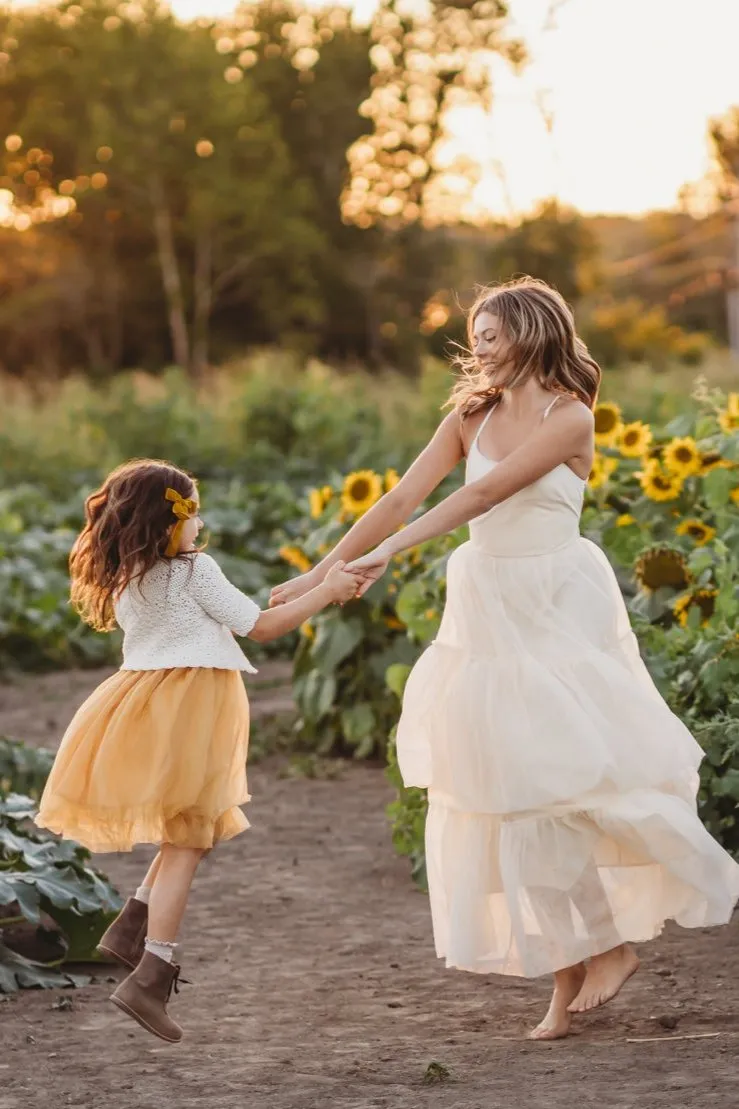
(228, 605)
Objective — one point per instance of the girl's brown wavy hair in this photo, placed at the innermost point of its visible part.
(541, 327)
(126, 534)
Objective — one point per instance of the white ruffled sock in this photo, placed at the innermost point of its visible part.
(163, 949)
(143, 893)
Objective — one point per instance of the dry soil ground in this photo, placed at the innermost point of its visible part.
(316, 985)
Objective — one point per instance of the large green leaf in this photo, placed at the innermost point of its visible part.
(717, 486)
(317, 694)
(359, 724)
(19, 973)
(396, 677)
(23, 889)
(335, 641)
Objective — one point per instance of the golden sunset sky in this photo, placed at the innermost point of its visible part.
(629, 86)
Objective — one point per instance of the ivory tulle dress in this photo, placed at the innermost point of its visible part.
(562, 817)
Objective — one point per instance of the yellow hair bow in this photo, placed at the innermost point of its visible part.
(184, 508)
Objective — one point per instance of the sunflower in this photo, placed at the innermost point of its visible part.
(295, 557)
(601, 470)
(682, 456)
(711, 460)
(658, 485)
(431, 614)
(703, 599)
(327, 492)
(696, 530)
(735, 495)
(625, 520)
(607, 424)
(361, 490)
(307, 630)
(661, 567)
(391, 479)
(394, 624)
(317, 503)
(635, 439)
(729, 418)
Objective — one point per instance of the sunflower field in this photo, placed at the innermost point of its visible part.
(663, 502)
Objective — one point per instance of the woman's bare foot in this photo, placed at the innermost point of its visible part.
(556, 1024)
(605, 976)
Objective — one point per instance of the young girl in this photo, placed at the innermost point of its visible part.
(562, 822)
(157, 753)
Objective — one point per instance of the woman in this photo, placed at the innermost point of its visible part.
(562, 823)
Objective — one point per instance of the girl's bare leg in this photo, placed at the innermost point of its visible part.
(171, 890)
(567, 985)
(151, 874)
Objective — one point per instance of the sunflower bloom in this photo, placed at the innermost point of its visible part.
(307, 630)
(696, 530)
(391, 479)
(713, 460)
(682, 456)
(295, 557)
(635, 439)
(601, 471)
(729, 418)
(703, 599)
(361, 490)
(317, 503)
(608, 424)
(625, 520)
(659, 485)
(394, 624)
(735, 495)
(662, 567)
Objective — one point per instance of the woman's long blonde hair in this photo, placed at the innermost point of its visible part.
(540, 325)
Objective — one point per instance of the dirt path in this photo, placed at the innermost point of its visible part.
(317, 986)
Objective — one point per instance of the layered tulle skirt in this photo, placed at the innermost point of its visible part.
(153, 756)
(562, 790)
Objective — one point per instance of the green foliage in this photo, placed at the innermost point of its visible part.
(345, 656)
(23, 769)
(44, 878)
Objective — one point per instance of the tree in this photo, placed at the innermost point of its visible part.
(171, 139)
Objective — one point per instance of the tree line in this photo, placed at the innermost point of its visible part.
(182, 191)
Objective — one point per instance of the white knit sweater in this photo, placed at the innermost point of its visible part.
(184, 612)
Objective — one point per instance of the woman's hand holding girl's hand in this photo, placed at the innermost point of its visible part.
(370, 567)
(341, 586)
(295, 588)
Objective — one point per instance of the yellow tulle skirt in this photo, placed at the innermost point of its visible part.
(153, 756)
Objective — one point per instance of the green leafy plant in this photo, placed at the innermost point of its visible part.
(49, 892)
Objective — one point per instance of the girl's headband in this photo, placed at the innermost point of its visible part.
(184, 508)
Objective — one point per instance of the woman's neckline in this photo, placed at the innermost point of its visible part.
(497, 462)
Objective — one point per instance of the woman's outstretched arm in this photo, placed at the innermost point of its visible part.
(566, 434)
(436, 460)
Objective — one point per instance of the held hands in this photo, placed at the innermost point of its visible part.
(369, 568)
(341, 584)
(362, 572)
(294, 589)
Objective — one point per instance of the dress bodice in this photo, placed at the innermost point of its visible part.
(539, 519)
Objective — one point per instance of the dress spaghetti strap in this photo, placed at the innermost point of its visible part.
(482, 425)
(549, 407)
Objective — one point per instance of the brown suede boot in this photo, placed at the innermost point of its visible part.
(145, 993)
(125, 937)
